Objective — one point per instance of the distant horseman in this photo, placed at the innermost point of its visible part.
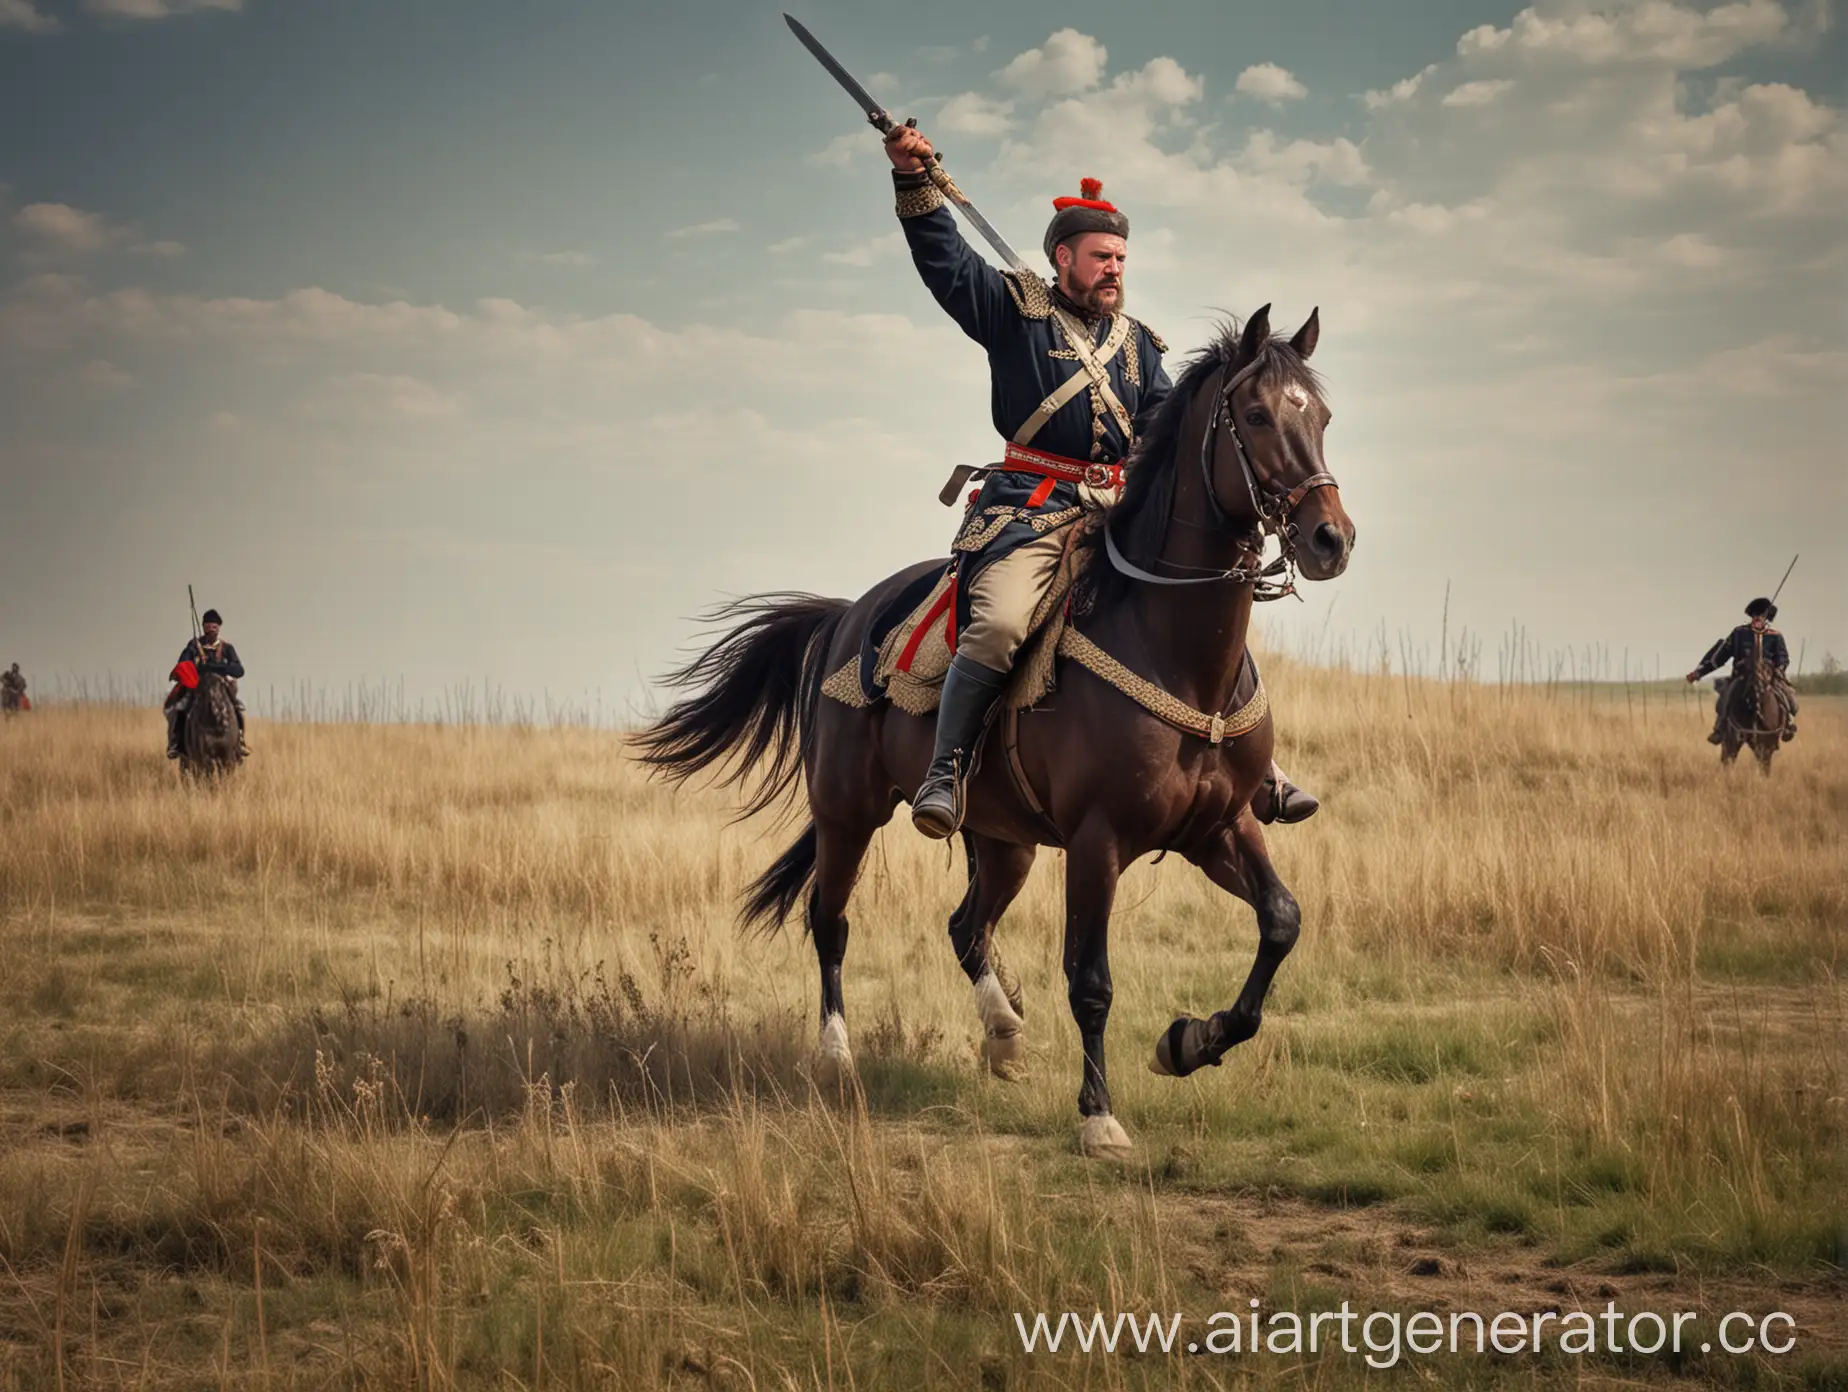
(207, 653)
(1751, 647)
(1074, 379)
(12, 689)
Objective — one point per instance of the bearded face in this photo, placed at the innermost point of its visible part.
(1091, 271)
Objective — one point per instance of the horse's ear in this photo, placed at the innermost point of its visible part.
(1256, 335)
(1306, 336)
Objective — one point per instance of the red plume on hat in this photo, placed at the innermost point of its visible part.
(1090, 196)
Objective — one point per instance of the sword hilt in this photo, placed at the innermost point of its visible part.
(933, 163)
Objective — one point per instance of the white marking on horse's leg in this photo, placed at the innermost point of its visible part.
(834, 1049)
(1103, 1138)
(1004, 1046)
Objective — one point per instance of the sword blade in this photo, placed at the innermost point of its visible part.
(863, 98)
(883, 122)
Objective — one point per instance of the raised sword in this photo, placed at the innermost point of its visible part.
(882, 122)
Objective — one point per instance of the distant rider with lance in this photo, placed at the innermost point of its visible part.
(1746, 647)
(207, 653)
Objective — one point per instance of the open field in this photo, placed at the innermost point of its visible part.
(428, 1057)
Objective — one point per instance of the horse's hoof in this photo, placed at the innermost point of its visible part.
(1004, 1045)
(1162, 1065)
(835, 1057)
(1006, 1056)
(1102, 1138)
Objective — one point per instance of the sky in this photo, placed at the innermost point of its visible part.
(448, 343)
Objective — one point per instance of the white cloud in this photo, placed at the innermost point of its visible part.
(971, 113)
(1653, 32)
(866, 253)
(156, 9)
(21, 14)
(383, 398)
(1159, 82)
(1401, 91)
(789, 244)
(1067, 62)
(574, 260)
(164, 249)
(1337, 161)
(844, 150)
(1270, 83)
(714, 228)
(1478, 93)
(62, 225)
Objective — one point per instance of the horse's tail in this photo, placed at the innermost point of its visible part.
(754, 698)
(773, 895)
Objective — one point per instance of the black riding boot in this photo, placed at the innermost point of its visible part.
(174, 715)
(1280, 800)
(969, 689)
(243, 746)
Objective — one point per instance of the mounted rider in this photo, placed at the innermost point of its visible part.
(12, 689)
(1749, 647)
(206, 653)
(1074, 379)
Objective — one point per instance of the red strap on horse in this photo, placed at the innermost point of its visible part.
(186, 675)
(945, 602)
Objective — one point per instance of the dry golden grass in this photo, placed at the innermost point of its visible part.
(429, 1057)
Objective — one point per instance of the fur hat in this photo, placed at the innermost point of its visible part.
(1760, 607)
(1086, 213)
(211, 616)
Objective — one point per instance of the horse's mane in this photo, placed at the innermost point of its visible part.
(1140, 518)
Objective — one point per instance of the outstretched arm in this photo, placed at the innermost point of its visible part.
(970, 290)
(1717, 657)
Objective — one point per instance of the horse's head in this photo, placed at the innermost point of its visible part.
(1263, 448)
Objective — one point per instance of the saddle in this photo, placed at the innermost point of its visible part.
(911, 641)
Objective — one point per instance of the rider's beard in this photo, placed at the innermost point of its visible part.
(1090, 301)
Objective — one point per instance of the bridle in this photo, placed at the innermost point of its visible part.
(1272, 511)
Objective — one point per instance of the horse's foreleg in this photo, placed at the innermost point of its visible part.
(839, 848)
(1091, 873)
(1238, 864)
(998, 869)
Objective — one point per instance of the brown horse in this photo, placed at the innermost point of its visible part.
(1237, 448)
(208, 739)
(1754, 717)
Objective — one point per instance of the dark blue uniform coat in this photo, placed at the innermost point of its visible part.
(1739, 649)
(1010, 315)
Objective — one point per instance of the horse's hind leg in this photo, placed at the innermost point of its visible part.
(998, 869)
(839, 848)
(1238, 864)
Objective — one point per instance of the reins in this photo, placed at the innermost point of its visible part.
(1271, 511)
